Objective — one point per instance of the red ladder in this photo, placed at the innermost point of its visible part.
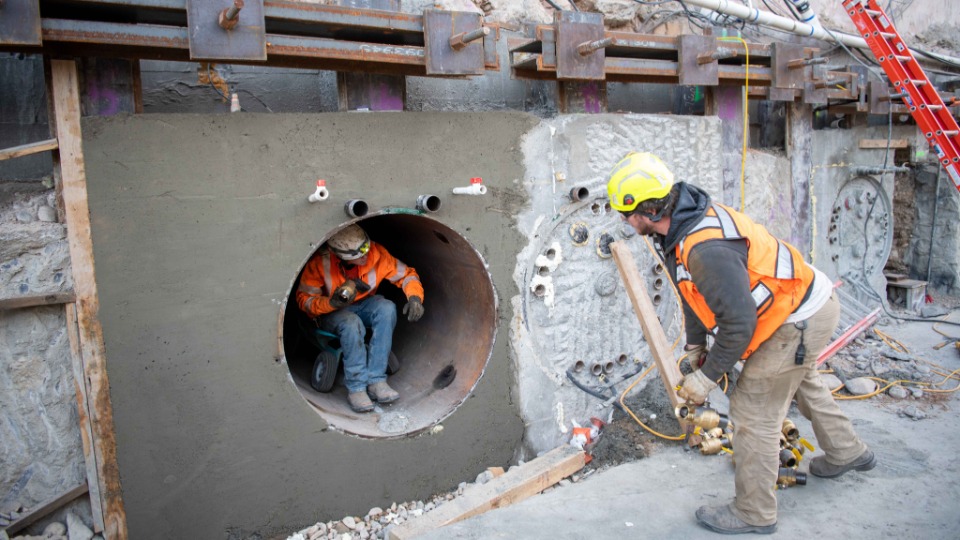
(911, 83)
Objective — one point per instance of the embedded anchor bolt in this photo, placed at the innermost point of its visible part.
(461, 40)
(590, 47)
(804, 62)
(828, 82)
(230, 16)
(719, 54)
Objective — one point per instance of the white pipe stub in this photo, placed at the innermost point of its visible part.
(476, 187)
(321, 193)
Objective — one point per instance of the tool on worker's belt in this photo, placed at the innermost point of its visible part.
(703, 417)
(801, 350)
(790, 477)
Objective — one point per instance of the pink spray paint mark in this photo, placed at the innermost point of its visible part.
(729, 102)
(384, 98)
(591, 97)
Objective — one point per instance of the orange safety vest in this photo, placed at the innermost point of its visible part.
(323, 274)
(779, 277)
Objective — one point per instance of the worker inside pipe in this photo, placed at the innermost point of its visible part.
(338, 290)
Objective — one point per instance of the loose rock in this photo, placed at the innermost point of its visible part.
(898, 392)
(899, 357)
(55, 529)
(917, 392)
(914, 412)
(830, 380)
(45, 213)
(861, 386)
(77, 529)
(375, 513)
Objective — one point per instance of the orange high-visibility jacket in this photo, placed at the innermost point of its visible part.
(779, 277)
(324, 273)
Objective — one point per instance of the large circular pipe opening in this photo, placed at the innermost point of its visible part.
(441, 357)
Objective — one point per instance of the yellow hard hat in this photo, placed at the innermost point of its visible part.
(638, 177)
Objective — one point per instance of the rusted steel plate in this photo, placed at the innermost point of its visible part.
(345, 50)
(879, 101)
(691, 71)
(441, 57)
(115, 34)
(573, 29)
(20, 22)
(782, 94)
(491, 57)
(783, 76)
(208, 41)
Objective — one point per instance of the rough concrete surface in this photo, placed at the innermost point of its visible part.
(911, 494)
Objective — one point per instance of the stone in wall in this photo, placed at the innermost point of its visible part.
(34, 255)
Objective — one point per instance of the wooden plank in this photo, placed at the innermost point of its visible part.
(83, 416)
(28, 149)
(66, 100)
(515, 485)
(882, 143)
(656, 338)
(44, 509)
(20, 302)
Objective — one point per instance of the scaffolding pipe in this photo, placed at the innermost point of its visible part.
(765, 18)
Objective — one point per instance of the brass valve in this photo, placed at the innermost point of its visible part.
(790, 431)
(703, 417)
(710, 447)
(790, 477)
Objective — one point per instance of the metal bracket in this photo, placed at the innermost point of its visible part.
(453, 42)
(879, 98)
(813, 95)
(20, 22)
(576, 29)
(209, 41)
(691, 71)
(785, 76)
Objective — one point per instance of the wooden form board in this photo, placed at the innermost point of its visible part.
(656, 338)
(27, 149)
(44, 509)
(66, 108)
(882, 143)
(19, 302)
(513, 486)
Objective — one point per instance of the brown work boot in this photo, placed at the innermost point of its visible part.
(382, 392)
(721, 519)
(359, 402)
(819, 466)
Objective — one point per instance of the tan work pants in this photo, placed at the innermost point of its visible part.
(769, 381)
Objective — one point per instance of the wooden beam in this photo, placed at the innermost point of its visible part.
(28, 149)
(66, 100)
(882, 143)
(37, 300)
(656, 338)
(44, 508)
(515, 485)
(83, 417)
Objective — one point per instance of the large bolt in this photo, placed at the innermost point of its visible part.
(719, 54)
(461, 40)
(803, 62)
(230, 16)
(589, 47)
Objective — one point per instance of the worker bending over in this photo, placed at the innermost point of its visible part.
(338, 289)
(761, 303)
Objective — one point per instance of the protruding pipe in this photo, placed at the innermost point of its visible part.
(428, 203)
(589, 47)
(622, 360)
(461, 40)
(878, 170)
(321, 193)
(608, 367)
(476, 187)
(356, 208)
(579, 193)
(790, 477)
(828, 82)
(804, 62)
(596, 369)
(230, 16)
(578, 366)
(719, 54)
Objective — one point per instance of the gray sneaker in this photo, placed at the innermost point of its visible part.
(382, 392)
(359, 402)
(819, 466)
(721, 519)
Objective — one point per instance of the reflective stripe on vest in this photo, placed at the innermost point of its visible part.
(778, 275)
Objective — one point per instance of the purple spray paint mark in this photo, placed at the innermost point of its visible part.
(729, 102)
(591, 97)
(383, 98)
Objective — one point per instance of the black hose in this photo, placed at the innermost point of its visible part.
(593, 392)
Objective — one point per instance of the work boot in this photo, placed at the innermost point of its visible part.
(819, 466)
(382, 392)
(359, 402)
(721, 519)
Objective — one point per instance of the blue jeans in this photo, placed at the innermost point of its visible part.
(363, 365)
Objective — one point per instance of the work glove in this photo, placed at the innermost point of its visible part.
(696, 355)
(695, 387)
(343, 295)
(414, 309)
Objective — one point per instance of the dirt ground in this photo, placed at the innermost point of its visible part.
(645, 486)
